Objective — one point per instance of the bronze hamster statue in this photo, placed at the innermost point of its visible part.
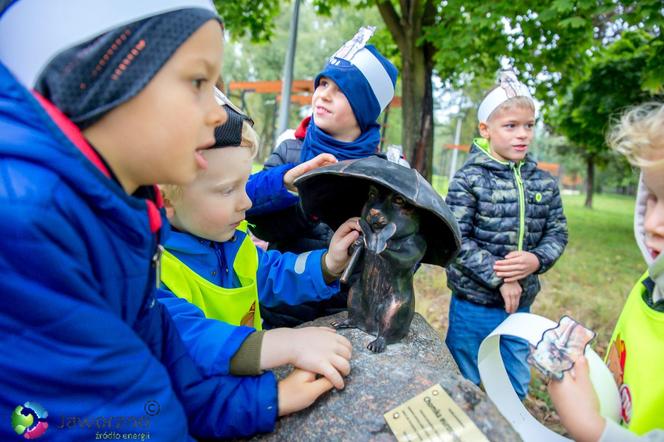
(382, 301)
(404, 222)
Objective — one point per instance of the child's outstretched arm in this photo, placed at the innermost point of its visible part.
(299, 390)
(270, 190)
(287, 278)
(212, 344)
(576, 403)
(219, 348)
(317, 349)
(267, 191)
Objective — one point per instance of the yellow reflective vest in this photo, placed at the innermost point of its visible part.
(636, 359)
(237, 306)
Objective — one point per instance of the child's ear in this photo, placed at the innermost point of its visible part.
(484, 130)
(170, 210)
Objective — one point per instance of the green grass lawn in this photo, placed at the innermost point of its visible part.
(600, 265)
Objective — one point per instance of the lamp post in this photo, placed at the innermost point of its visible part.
(284, 108)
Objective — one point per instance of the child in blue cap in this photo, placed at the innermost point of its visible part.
(351, 91)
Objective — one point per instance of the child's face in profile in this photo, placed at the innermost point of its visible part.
(509, 132)
(332, 112)
(159, 135)
(214, 204)
(653, 223)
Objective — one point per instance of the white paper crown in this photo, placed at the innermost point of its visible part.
(509, 87)
(33, 32)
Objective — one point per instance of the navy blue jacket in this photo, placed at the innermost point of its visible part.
(502, 207)
(82, 332)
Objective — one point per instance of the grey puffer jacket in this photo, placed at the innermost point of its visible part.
(502, 207)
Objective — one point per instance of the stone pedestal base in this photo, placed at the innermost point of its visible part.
(380, 382)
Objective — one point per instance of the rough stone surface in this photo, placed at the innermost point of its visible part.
(380, 382)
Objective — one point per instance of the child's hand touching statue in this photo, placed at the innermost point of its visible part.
(324, 159)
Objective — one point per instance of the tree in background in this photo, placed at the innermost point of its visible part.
(617, 77)
(549, 41)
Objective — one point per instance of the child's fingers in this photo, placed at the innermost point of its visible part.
(511, 302)
(331, 373)
(508, 273)
(581, 371)
(347, 240)
(345, 349)
(351, 224)
(506, 265)
(314, 163)
(319, 386)
(343, 345)
(341, 364)
(301, 375)
(350, 237)
(324, 159)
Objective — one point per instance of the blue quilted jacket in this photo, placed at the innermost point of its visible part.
(82, 333)
(502, 207)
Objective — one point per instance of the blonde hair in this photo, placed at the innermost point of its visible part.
(639, 134)
(514, 102)
(172, 192)
(249, 139)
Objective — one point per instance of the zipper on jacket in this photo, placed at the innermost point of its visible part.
(156, 264)
(522, 204)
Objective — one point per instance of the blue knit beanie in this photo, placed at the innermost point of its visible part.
(90, 79)
(366, 78)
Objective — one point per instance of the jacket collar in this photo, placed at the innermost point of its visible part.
(186, 243)
(480, 154)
